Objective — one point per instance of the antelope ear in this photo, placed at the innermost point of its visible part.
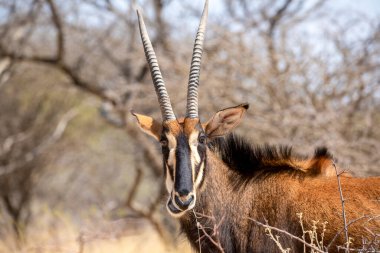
(225, 121)
(149, 125)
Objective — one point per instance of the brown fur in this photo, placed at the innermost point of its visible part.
(189, 125)
(269, 184)
(173, 126)
(277, 199)
(319, 166)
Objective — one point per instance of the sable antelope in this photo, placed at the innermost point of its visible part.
(216, 178)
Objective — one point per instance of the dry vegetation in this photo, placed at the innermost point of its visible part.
(76, 175)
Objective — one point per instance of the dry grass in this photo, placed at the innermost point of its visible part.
(58, 233)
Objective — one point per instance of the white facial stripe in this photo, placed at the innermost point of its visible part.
(168, 181)
(171, 141)
(171, 159)
(193, 143)
(193, 138)
(194, 157)
(172, 144)
(199, 176)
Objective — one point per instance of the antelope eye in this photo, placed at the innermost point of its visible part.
(164, 142)
(202, 138)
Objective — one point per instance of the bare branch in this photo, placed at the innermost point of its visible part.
(273, 20)
(136, 183)
(60, 40)
(41, 148)
(214, 238)
(343, 210)
(369, 217)
(287, 234)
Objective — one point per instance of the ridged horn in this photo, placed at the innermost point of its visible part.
(195, 69)
(158, 81)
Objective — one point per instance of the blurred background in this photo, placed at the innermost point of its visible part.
(77, 175)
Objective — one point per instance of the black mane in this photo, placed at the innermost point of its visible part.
(253, 160)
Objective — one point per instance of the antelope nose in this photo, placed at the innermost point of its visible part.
(184, 201)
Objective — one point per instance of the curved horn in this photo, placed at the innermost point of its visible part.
(195, 69)
(158, 81)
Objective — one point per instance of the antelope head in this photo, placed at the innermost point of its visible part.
(184, 140)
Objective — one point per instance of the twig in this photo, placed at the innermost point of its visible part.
(199, 235)
(56, 18)
(216, 242)
(133, 190)
(288, 234)
(81, 242)
(343, 211)
(349, 224)
(145, 213)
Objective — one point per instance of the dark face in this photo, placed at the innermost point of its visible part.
(184, 155)
(184, 152)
